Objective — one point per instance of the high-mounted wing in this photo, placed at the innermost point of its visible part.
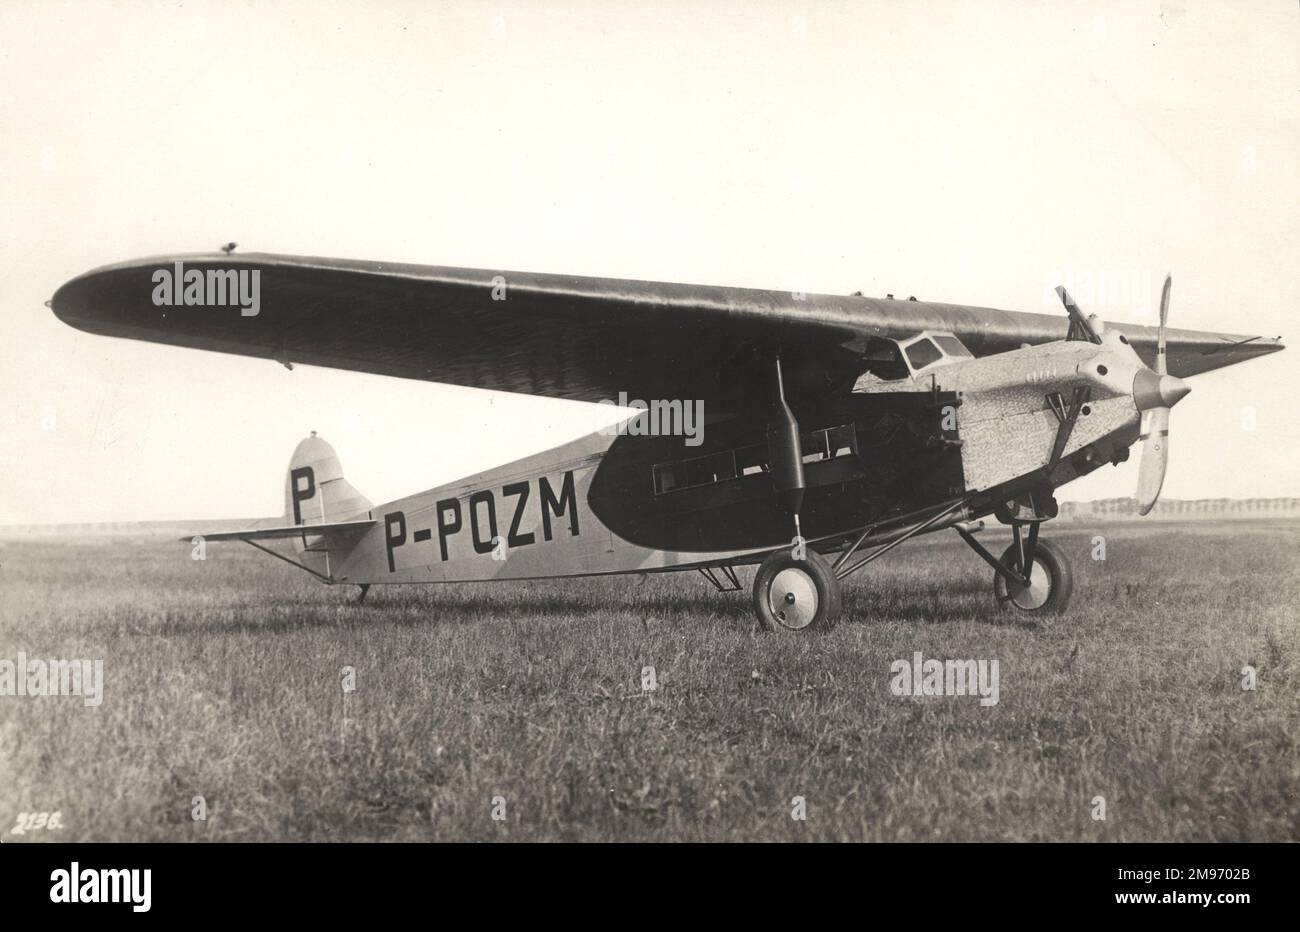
(562, 336)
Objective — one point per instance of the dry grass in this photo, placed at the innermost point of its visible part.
(223, 679)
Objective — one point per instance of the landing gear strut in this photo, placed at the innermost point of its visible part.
(1032, 575)
(795, 589)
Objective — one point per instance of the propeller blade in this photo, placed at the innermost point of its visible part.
(1162, 365)
(1155, 458)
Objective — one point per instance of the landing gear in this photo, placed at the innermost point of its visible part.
(1032, 575)
(796, 595)
(1050, 580)
(792, 593)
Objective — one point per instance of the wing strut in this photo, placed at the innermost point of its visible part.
(785, 459)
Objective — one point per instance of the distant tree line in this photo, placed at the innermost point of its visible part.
(1187, 508)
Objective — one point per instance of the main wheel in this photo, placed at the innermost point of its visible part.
(796, 595)
(1050, 581)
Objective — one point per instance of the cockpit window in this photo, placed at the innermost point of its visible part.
(921, 353)
(884, 361)
(952, 346)
(887, 359)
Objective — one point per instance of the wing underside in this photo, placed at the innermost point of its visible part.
(585, 339)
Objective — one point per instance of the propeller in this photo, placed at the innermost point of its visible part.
(1155, 393)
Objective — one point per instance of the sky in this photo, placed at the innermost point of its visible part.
(976, 153)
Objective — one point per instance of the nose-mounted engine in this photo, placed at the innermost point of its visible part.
(1154, 392)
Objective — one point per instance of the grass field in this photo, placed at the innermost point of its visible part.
(223, 679)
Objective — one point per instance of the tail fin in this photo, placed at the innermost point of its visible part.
(316, 493)
(323, 514)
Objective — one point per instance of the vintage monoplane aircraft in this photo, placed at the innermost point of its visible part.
(834, 429)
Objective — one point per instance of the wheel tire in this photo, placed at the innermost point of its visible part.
(806, 593)
(1051, 579)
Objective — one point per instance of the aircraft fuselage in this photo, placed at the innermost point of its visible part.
(982, 430)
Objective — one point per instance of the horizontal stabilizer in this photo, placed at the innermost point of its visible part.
(295, 530)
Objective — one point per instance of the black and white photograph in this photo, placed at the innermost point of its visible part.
(585, 423)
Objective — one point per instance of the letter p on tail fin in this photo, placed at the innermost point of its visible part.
(315, 491)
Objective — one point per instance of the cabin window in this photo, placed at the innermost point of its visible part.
(813, 446)
(922, 353)
(818, 446)
(700, 470)
(750, 461)
(842, 441)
